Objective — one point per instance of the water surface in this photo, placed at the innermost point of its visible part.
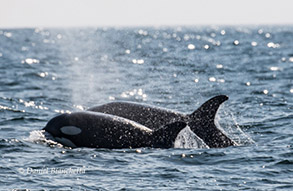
(45, 72)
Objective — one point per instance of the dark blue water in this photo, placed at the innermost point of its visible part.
(44, 72)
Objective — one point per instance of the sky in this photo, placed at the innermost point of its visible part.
(88, 13)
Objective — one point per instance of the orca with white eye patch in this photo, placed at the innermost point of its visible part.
(99, 130)
(201, 121)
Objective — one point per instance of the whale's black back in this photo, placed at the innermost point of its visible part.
(149, 116)
(99, 130)
(200, 121)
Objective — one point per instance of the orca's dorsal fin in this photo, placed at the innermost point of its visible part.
(209, 109)
(165, 136)
(202, 123)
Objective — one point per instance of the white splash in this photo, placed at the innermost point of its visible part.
(232, 128)
(40, 136)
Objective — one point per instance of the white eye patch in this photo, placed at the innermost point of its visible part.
(70, 130)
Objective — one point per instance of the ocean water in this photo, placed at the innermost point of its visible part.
(45, 72)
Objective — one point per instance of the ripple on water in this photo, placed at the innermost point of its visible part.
(45, 72)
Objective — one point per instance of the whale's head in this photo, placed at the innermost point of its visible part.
(55, 124)
(61, 129)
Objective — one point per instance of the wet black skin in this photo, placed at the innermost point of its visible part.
(201, 121)
(99, 130)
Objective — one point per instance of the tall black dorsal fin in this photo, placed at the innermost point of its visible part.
(209, 109)
(165, 136)
(202, 123)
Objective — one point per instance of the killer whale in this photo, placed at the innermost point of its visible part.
(201, 121)
(99, 130)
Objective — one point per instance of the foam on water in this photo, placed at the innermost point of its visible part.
(42, 137)
(44, 71)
